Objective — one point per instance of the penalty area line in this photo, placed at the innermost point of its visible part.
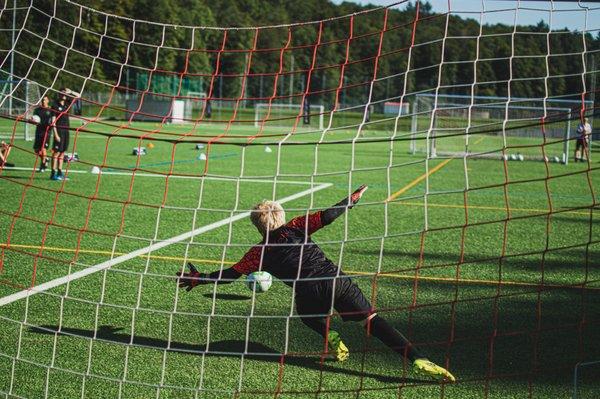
(142, 251)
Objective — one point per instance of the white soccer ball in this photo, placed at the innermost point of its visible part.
(259, 281)
(95, 170)
(36, 119)
(268, 149)
(521, 157)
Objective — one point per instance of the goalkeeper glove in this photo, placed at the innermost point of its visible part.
(356, 195)
(191, 279)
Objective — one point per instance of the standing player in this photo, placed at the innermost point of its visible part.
(61, 139)
(288, 253)
(584, 130)
(44, 126)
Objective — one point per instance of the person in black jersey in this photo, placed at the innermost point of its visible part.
(288, 253)
(44, 127)
(61, 139)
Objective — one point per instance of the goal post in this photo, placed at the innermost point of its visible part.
(288, 115)
(18, 99)
(492, 127)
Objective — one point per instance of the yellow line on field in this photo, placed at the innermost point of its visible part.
(418, 180)
(489, 208)
(424, 176)
(466, 280)
(354, 272)
(99, 252)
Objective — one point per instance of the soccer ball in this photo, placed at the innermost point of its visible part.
(259, 281)
(521, 157)
(35, 119)
(556, 159)
(513, 157)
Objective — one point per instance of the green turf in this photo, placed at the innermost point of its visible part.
(538, 235)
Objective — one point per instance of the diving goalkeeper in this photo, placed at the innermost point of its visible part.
(288, 253)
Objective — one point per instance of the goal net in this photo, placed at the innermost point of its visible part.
(289, 115)
(18, 99)
(489, 267)
(505, 122)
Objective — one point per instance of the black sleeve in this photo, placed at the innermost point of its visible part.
(330, 214)
(226, 276)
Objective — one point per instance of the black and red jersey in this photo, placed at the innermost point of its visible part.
(289, 253)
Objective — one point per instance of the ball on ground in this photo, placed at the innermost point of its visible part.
(150, 145)
(259, 281)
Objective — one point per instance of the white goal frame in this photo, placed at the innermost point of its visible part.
(453, 102)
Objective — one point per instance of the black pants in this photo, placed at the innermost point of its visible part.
(313, 303)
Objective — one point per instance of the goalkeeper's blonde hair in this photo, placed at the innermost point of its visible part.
(267, 216)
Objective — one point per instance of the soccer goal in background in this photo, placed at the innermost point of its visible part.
(18, 99)
(490, 267)
(495, 127)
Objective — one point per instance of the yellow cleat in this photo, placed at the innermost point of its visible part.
(429, 369)
(337, 347)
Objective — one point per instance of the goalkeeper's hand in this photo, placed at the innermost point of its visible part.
(191, 279)
(356, 195)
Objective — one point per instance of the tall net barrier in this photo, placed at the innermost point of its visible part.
(488, 265)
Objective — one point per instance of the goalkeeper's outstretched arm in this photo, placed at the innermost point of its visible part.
(330, 214)
(194, 277)
(314, 221)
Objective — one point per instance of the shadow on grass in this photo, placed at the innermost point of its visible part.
(228, 297)
(229, 348)
(569, 259)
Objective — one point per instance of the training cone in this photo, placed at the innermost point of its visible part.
(268, 149)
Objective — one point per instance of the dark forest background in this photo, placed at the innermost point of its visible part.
(62, 44)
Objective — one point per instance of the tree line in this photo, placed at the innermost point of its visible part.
(62, 44)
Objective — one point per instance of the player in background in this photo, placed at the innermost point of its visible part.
(584, 130)
(316, 281)
(45, 125)
(61, 138)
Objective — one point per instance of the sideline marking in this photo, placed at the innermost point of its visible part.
(123, 258)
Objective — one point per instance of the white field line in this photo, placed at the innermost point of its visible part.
(123, 258)
(162, 176)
